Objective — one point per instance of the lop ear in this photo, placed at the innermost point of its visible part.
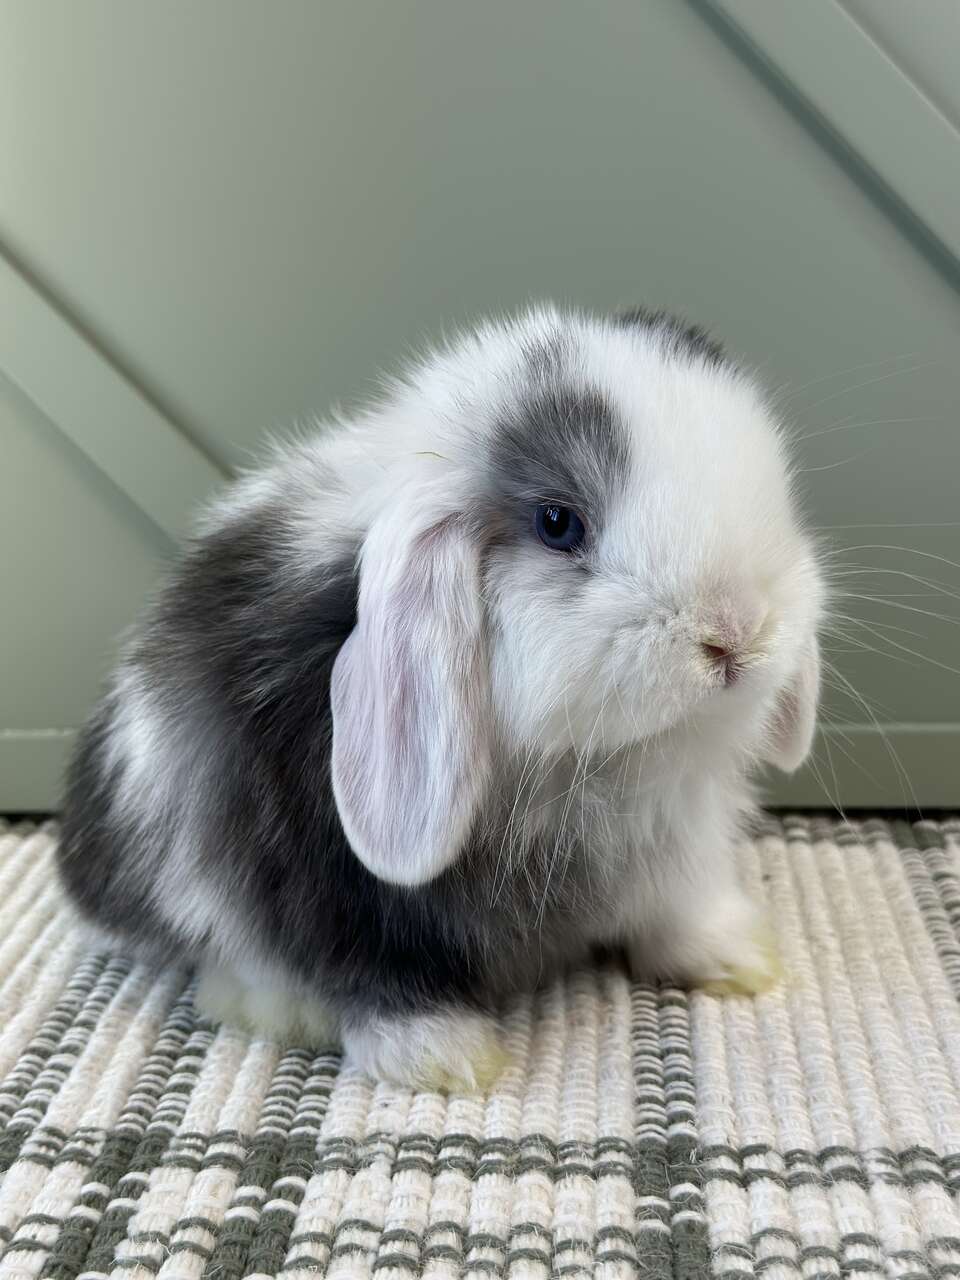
(790, 731)
(409, 701)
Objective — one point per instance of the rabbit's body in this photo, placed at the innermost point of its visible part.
(378, 757)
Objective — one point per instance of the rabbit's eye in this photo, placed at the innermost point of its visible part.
(559, 528)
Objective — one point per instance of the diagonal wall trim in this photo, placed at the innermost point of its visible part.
(856, 98)
(76, 387)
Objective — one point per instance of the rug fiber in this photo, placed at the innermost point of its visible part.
(640, 1132)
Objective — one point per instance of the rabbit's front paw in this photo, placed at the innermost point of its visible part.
(445, 1050)
(723, 946)
(747, 967)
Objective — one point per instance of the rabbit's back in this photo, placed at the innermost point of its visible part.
(213, 736)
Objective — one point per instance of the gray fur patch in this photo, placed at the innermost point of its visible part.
(560, 444)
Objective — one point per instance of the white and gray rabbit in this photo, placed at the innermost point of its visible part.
(459, 690)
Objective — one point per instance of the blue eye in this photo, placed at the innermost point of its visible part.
(559, 528)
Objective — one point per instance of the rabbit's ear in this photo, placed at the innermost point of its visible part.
(790, 731)
(409, 700)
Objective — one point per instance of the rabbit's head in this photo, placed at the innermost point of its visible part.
(583, 538)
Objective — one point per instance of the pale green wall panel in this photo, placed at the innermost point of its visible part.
(252, 207)
(74, 384)
(905, 767)
(257, 206)
(77, 559)
(32, 766)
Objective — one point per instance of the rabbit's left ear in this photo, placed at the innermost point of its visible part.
(409, 699)
(790, 730)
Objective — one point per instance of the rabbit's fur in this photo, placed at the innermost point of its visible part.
(377, 757)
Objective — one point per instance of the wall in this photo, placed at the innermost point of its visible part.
(219, 219)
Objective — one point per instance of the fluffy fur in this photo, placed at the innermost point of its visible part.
(376, 757)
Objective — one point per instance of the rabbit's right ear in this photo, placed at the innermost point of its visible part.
(409, 700)
(791, 730)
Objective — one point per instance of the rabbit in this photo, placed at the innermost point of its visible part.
(452, 693)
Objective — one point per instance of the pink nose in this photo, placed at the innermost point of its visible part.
(724, 660)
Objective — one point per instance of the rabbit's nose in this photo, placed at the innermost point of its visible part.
(729, 641)
(722, 659)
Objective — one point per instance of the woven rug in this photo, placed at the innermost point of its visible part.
(641, 1132)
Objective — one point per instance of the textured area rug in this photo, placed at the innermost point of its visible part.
(641, 1132)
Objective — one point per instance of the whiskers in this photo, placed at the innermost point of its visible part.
(553, 820)
(794, 406)
(857, 625)
(855, 584)
(887, 602)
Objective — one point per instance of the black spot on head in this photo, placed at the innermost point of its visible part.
(682, 339)
(557, 444)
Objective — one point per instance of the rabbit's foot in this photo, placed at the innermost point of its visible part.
(446, 1050)
(723, 946)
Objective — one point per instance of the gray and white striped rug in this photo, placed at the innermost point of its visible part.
(812, 1132)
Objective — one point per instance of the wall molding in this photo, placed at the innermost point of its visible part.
(857, 101)
(110, 420)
